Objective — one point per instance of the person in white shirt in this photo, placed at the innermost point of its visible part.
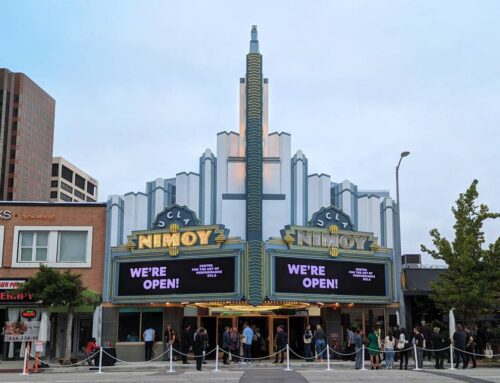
(149, 338)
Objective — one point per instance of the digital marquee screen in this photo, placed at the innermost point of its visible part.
(186, 276)
(306, 276)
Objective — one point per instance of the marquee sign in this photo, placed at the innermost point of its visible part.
(330, 229)
(177, 227)
(186, 276)
(332, 215)
(328, 277)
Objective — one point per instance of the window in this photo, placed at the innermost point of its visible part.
(56, 246)
(66, 187)
(80, 195)
(132, 322)
(11, 182)
(55, 170)
(33, 246)
(65, 197)
(90, 188)
(67, 174)
(90, 199)
(53, 194)
(72, 246)
(129, 322)
(54, 184)
(80, 181)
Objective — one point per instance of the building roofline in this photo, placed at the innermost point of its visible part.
(49, 204)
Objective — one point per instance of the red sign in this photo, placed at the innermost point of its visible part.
(28, 314)
(6, 294)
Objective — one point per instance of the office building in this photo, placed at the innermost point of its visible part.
(68, 183)
(26, 138)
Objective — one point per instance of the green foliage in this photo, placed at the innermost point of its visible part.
(471, 284)
(53, 288)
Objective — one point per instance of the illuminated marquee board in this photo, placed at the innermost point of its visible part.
(307, 276)
(180, 276)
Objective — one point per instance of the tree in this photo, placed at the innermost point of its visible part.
(53, 288)
(471, 283)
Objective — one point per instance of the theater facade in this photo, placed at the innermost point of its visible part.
(251, 237)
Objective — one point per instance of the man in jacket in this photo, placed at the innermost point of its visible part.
(226, 342)
(438, 343)
(281, 340)
(200, 342)
(186, 343)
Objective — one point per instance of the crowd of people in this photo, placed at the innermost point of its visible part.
(395, 347)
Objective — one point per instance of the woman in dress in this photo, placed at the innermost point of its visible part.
(374, 348)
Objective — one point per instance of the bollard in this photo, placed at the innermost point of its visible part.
(288, 359)
(216, 369)
(171, 364)
(26, 365)
(363, 358)
(100, 361)
(451, 357)
(416, 357)
(328, 358)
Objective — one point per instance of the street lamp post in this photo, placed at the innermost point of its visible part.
(398, 262)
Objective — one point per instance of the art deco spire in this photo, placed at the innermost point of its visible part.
(254, 42)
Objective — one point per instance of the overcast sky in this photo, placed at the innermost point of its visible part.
(143, 87)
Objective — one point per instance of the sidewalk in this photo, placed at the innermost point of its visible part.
(16, 366)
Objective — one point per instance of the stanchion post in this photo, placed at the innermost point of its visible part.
(363, 358)
(36, 362)
(216, 369)
(26, 369)
(416, 357)
(170, 359)
(288, 359)
(328, 358)
(100, 361)
(451, 357)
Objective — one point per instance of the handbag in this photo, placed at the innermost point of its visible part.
(488, 352)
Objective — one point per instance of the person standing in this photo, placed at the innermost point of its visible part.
(437, 344)
(307, 337)
(350, 343)
(319, 342)
(358, 345)
(149, 338)
(281, 340)
(234, 345)
(469, 347)
(374, 349)
(426, 333)
(419, 340)
(199, 345)
(186, 343)
(459, 345)
(168, 341)
(226, 342)
(404, 348)
(389, 344)
(247, 343)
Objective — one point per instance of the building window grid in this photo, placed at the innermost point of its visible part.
(33, 246)
(53, 246)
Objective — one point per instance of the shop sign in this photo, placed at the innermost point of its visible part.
(177, 227)
(28, 314)
(327, 277)
(330, 229)
(21, 331)
(8, 294)
(5, 215)
(187, 276)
